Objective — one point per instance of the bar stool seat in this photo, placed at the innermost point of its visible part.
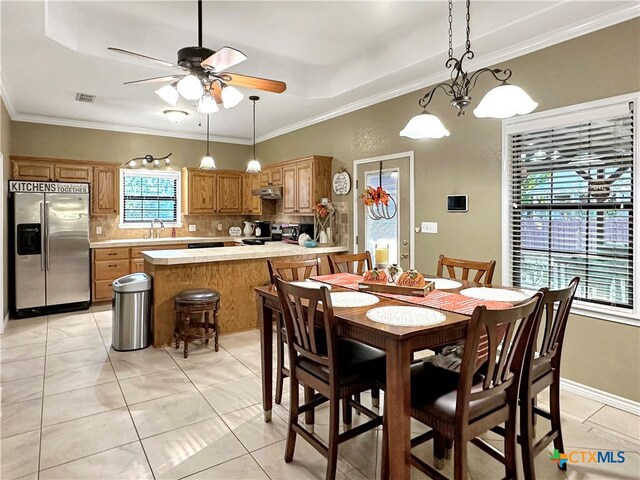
(196, 309)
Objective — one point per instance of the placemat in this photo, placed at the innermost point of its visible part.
(406, 316)
(353, 299)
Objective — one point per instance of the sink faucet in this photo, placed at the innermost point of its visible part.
(152, 232)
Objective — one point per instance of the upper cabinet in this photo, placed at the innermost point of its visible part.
(217, 191)
(103, 178)
(250, 203)
(305, 182)
(271, 176)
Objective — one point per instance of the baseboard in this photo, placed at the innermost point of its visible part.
(4, 323)
(601, 396)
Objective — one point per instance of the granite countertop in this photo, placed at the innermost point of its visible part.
(244, 252)
(142, 242)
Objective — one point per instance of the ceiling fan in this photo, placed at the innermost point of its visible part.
(203, 76)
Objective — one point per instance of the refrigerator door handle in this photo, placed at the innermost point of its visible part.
(42, 237)
(47, 211)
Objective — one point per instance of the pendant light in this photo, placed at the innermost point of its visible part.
(503, 101)
(254, 164)
(207, 162)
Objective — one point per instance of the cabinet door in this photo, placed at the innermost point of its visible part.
(229, 192)
(137, 265)
(28, 170)
(276, 176)
(251, 203)
(265, 178)
(104, 190)
(201, 193)
(304, 183)
(289, 190)
(73, 173)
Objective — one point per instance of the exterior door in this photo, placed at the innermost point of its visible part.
(67, 248)
(395, 233)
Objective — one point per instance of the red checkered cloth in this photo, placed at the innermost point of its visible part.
(451, 302)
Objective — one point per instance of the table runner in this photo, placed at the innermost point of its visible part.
(451, 302)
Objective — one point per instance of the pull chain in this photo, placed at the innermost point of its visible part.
(468, 27)
(450, 28)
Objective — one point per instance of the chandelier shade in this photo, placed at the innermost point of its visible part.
(505, 101)
(254, 166)
(190, 87)
(169, 94)
(424, 125)
(207, 104)
(231, 96)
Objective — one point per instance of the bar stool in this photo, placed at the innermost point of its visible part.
(203, 303)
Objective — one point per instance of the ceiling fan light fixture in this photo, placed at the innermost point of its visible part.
(424, 125)
(169, 94)
(207, 104)
(505, 101)
(176, 116)
(190, 87)
(231, 96)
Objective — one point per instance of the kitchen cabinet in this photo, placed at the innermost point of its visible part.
(250, 203)
(66, 172)
(104, 191)
(305, 182)
(198, 191)
(229, 190)
(271, 176)
(32, 170)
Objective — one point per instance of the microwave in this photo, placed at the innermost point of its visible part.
(291, 231)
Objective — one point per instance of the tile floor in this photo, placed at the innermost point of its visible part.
(73, 408)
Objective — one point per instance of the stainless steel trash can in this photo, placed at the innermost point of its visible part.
(131, 312)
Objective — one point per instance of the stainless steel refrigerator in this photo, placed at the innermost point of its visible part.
(50, 247)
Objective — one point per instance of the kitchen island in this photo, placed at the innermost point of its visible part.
(232, 271)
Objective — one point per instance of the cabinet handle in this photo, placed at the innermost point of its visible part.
(111, 253)
(112, 265)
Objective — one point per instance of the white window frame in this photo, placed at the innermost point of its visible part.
(152, 173)
(547, 119)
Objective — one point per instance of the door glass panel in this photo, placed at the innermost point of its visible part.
(384, 232)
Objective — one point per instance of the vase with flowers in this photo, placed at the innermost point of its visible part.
(323, 218)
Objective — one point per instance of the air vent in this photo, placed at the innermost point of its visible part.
(85, 97)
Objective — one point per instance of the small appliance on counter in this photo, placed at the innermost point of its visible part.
(276, 232)
(263, 231)
(292, 231)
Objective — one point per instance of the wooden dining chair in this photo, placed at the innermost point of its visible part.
(481, 268)
(357, 263)
(544, 372)
(460, 407)
(290, 271)
(330, 368)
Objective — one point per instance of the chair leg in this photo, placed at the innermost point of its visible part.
(206, 318)
(186, 330)
(526, 439)
(460, 460)
(534, 419)
(357, 399)
(310, 415)
(216, 344)
(176, 331)
(332, 454)
(279, 360)
(554, 407)
(375, 397)
(384, 461)
(439, 450)
(510, 448)
(294, 403)
(448, 448)
(347, 416)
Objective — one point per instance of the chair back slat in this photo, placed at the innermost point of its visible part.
(293, 271)
(357, 263)
(557, 306)
(482, 269)
(503, 336)
(307, 313)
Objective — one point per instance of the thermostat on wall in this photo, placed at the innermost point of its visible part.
(457, 203)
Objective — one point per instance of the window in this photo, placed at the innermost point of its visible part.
(149, 195)
(570, 188)
(384, 232)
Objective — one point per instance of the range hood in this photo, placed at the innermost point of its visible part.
(268, 193)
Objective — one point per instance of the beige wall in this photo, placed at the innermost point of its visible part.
(5, 148)
(39, 140)
(599, 65)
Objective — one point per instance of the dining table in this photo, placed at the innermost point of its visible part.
(399, 342)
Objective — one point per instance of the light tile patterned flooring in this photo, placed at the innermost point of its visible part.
(73, 408)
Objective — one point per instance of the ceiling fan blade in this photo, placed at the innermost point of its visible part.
(256, 83)
(155, 80)
(162, 62)
(224, 58)
(216, 92)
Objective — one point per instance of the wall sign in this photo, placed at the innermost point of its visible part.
(341, 182)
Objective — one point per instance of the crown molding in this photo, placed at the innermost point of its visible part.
(6, 98)
(517, 50)
(128, 129)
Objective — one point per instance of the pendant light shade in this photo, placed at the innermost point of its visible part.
(424, 125)
(190, 87)
(254, 165)
(231, 96)
(207, 162)
(207, 104)
(505, 101)
(169, 94)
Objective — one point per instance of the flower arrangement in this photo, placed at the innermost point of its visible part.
(321, 210)
(375, 196)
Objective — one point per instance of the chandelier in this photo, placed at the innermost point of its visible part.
(503, 101)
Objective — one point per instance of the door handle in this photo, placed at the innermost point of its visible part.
(42, 237)
(47, 211)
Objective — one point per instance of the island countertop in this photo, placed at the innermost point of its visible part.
(243, 252)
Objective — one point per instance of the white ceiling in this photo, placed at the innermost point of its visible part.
(334, 56)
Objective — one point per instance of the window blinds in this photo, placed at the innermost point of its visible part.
(149, 195)
(571, 203)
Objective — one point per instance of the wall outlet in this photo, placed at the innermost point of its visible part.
(192, 228)
(219, 227)
(98, 230)
(429, 227)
